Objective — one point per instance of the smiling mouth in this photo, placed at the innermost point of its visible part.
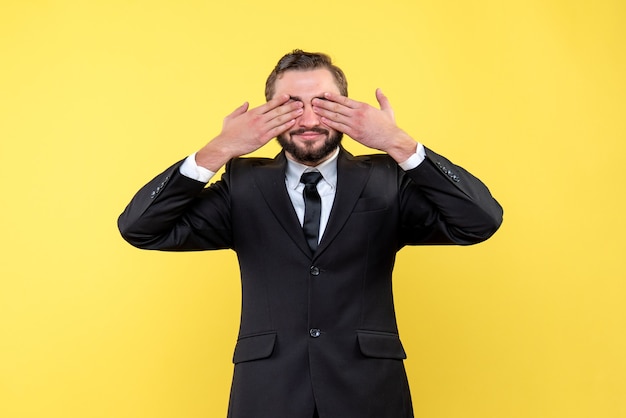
(309, 133)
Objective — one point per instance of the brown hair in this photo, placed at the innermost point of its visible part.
(298, 60)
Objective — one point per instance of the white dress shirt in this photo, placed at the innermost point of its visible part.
(326, 187)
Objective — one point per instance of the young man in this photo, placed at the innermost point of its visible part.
(316, 231)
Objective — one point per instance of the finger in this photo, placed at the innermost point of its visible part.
(239, 111)
(343, 100)
(292, 107)
(330, 114)
(337, 126)
(284, 114)
(273, 104)
(277, 130)
(383, 101)
(331, 106)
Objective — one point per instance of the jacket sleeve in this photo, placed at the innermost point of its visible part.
(173, 212)
(459, 208)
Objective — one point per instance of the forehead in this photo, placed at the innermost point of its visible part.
(306, 84)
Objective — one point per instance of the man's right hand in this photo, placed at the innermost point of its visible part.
(246, 131)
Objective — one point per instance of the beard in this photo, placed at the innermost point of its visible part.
(306, 154)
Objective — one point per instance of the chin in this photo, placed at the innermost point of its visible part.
(310, 154)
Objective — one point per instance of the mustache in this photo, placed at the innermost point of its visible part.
(304, 131)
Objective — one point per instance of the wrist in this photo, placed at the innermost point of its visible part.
(212, 156)
(402, 147)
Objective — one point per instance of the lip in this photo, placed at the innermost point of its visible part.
(309, 136)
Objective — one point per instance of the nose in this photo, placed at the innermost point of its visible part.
(308, 119)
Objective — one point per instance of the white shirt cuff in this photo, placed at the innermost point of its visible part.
(190, 169)
(415, 159)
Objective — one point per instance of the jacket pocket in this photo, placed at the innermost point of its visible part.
(377, 344)
(370, 204)
(254, 347)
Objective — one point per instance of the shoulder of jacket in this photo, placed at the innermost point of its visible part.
(376, 160)
(246, 162)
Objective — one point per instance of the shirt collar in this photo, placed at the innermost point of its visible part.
(328, 169)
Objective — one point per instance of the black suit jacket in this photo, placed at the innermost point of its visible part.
(316, 329)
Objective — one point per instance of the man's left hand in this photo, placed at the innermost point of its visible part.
(374, 128)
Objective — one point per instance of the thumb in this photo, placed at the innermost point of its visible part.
(239, 111)
(385, 106)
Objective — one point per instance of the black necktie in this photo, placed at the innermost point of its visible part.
(312, 208)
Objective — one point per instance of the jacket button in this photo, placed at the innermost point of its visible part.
(314, 332)
(315, 271)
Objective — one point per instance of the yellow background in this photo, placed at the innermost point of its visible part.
(97, 97)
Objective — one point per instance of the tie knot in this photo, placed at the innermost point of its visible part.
(311, 178)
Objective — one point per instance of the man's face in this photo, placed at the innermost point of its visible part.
(308, 141)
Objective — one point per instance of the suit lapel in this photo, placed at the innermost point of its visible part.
(352, 176)
(270, 178)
